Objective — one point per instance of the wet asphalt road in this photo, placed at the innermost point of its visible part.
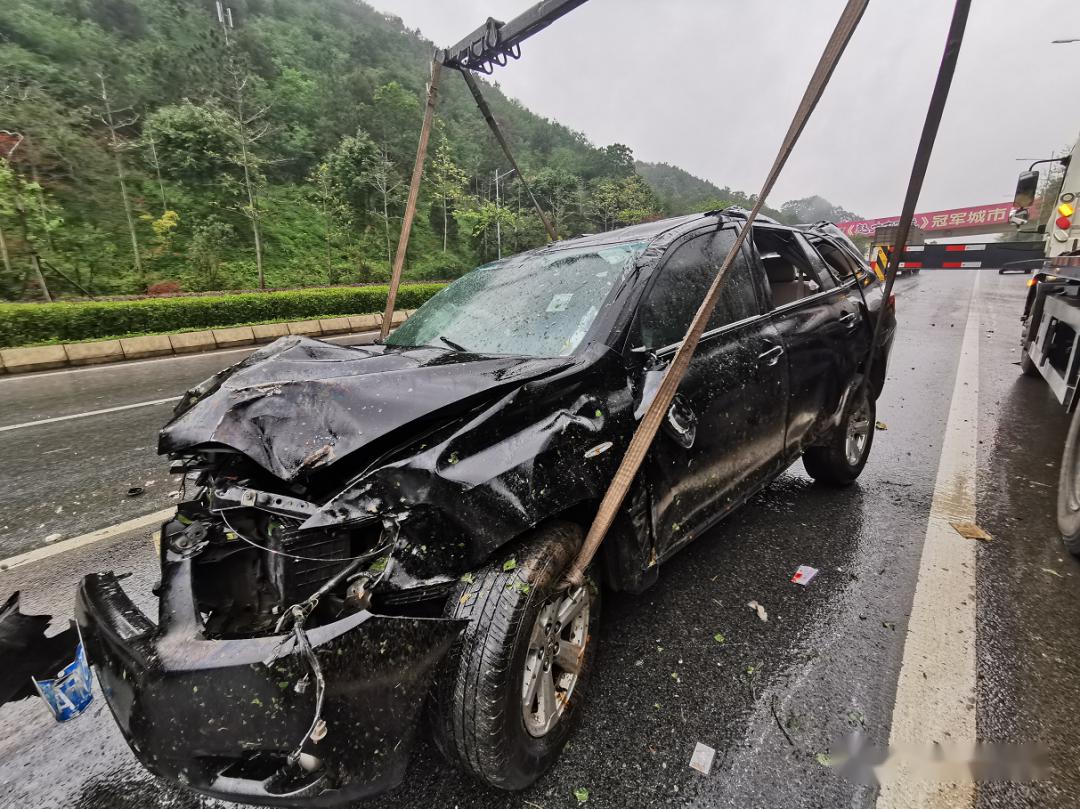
(70, 477)
(825, 664)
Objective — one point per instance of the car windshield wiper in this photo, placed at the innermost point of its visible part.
(453, 345)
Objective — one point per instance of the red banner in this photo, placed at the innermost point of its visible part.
(979, 216)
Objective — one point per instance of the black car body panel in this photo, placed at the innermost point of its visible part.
(220, 716)
(415, 465)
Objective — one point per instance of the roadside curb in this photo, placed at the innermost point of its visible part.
(41, 358)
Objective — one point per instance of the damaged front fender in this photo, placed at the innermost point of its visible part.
(540, 449)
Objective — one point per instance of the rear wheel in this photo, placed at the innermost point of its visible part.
(842, 458)
(513, 686)
(1068, 506)
(1027, 364)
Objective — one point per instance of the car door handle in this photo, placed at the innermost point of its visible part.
(772, 356)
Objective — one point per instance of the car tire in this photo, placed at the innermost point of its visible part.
(1068, 501)
(1027, 364)
(478, 709)
(841, 459)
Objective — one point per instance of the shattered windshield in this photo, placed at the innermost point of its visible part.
(531, 305)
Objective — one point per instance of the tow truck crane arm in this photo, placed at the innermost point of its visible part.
(494, 43)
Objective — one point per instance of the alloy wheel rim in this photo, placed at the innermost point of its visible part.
(554, 660)
(858, 431)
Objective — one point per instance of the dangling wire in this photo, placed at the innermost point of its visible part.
(367, 555)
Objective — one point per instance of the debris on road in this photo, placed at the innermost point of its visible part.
(970, 530)
(71, 691)
(702, 759)
(1052, 572)
(27, 652)
(719, 638)
(135, 491)
(581, 794)
(760, 610)
(881, 425)
(53, 538)
(779, 724)
(804, 574)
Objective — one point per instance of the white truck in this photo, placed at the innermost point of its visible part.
(1050, 332)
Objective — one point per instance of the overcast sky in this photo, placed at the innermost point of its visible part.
(711, 85)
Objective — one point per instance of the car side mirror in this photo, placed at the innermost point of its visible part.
(649, 360)
(1027, 185)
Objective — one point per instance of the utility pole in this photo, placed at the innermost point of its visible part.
(157, 171)
(224, 16)
(109, 122)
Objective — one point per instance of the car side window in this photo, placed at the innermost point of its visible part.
(665, 314)
(842, 264)
(790, 272)
(818, 266)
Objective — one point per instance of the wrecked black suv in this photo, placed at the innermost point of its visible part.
(369, 530)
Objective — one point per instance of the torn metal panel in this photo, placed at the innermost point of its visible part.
(506, 468)
(299, 405)
(27, 653)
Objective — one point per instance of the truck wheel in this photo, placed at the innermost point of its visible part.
(513, 686)
(840, 461)
(1027, 364)
(1068, 502)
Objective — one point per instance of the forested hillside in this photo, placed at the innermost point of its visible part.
(146, 145)
(678, 191)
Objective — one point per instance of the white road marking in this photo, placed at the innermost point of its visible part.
(88, 413)
(935, 694)
(66, 545)
(119, 366)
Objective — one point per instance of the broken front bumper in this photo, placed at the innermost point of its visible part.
(221, 716)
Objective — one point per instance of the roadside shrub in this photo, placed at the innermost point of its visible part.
(440, 267)
(30, 323)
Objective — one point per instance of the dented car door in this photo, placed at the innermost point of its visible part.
(725, 430)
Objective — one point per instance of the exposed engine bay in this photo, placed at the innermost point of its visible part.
(252, 562)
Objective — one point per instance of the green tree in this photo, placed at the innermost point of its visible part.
(479, 221)
(814, 209)
(447, 183)
(332, 211)
(559, 193)
(192, 141)
(348, 166)
(247, 126)
(209, 239)
(395, 122)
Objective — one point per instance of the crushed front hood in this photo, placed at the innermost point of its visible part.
(298, 405)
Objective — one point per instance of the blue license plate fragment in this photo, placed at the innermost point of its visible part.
(71, 691)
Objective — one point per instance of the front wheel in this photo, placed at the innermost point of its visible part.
(1027, 364)
(842, 458)
(513, 686)
(1068, 503)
